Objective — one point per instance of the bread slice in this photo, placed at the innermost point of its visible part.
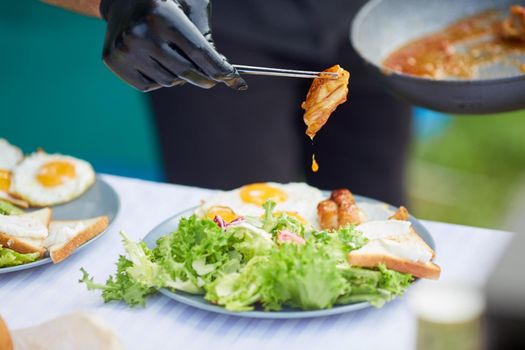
(78, 330)
(6, 343)
(418, 269)
(13, 200)
(66, 236)
(27, 244)
(43, 215)
(403, 215)
(395, 244)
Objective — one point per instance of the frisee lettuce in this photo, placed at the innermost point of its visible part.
(302, 276)
(7, 208)
(238, 291)
(9, 257)
(244, 265)
(275, 223)
(374, 286)
(120, 287)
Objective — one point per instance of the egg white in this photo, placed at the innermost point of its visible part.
(301, 198)
(9, 155)
(25, 185)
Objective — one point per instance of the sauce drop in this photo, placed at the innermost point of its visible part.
(315, 166)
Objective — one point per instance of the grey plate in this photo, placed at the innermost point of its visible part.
(198, 301)
(381, 26)
(101, 199)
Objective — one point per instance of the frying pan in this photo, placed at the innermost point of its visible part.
(382, 26)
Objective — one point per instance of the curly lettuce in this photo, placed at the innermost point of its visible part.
(7, 208)
(244, 265)
(375, 286)
(301, 276)
(238, 291)
(273, 223)
(9, 257)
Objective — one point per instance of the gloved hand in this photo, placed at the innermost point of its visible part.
(156, 43)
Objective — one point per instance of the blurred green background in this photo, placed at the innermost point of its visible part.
(465, 170)
(469, 169)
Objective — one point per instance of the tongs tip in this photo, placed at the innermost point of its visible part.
(329, 75)
(279, 72)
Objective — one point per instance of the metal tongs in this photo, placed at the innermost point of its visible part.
(277, 72)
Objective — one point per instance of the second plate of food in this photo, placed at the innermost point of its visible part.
(69, 207)
(100, 200)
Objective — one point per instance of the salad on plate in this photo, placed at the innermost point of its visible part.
(267, 262)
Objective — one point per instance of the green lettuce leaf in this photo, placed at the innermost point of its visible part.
(142, 268)
(137, 275)
(350, 238)
(121, 287)
(268, 220)
(251, 241)
(376, 286)
(9, 257)
(340, 242)
(302, 276)
(241, 266)
(196, 253)
(7, 208)
(275, 223)
(238, 291)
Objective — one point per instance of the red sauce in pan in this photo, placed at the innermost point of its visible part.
(462, 47)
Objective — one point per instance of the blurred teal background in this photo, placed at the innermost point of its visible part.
(57, 94)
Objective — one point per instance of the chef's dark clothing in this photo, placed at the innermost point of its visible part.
(221, 138)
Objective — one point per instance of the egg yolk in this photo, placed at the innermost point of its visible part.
(225, 213)
(55, 173)
(292, 214)
(259, 193)
(5, 180)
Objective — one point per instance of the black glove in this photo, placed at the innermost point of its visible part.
(156, 43)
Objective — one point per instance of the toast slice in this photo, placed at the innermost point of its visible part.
(415, 268)
(43, 215)
(66, 236)
(13, 200)
(403, 215)
(395, 244)
(24, 245)
(6, 342)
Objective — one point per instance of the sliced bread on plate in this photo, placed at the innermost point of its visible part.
(6, 342)
(66, 236)
(25, 233)
(395, 244)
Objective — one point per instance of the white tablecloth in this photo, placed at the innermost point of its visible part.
(34, 296)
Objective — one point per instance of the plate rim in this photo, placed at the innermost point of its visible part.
(47, 259)
(188, 299)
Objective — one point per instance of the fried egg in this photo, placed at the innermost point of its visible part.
(44, 179)
(295, 199)
(10, 156)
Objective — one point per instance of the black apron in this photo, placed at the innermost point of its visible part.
(221, 138)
